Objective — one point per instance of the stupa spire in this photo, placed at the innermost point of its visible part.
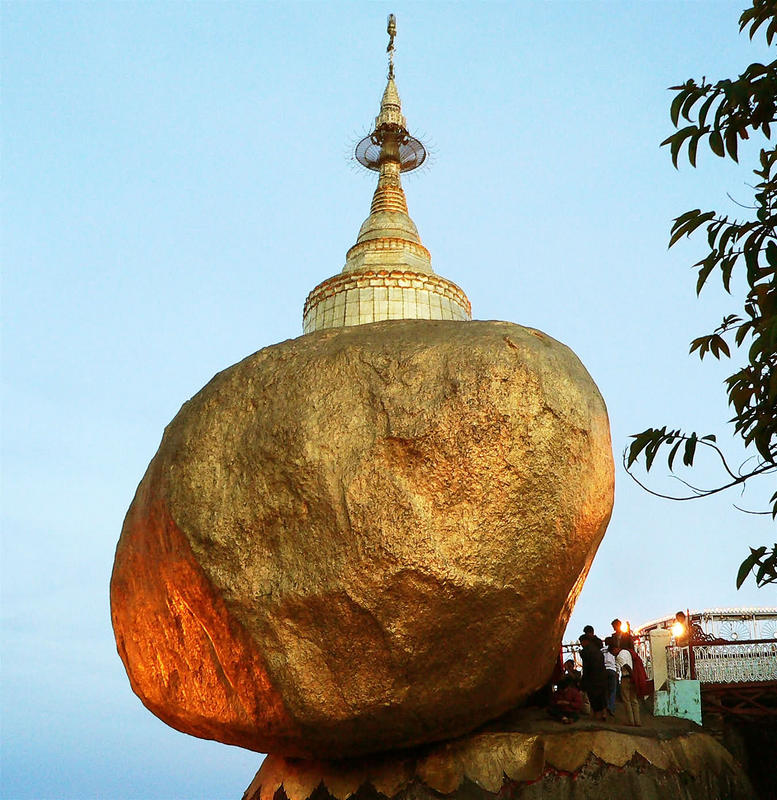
(390, 150)
(388, 266)
(390, 128)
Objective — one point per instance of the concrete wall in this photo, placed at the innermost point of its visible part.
(679, 699)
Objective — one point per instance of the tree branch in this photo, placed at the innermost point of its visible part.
(738, 480)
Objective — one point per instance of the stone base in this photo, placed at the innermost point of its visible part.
(671, 759)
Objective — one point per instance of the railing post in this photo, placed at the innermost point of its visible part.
(691, 656)
(659, 641)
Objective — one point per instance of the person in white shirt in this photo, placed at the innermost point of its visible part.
(612, 674)
(624, 663)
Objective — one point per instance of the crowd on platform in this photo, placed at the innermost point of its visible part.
(610, 670)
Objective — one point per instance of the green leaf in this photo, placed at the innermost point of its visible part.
(755, 69)
(692, 97)
(673, 453)
(771, 254)
(731, 143)
(650, 454)
(751, 262)
(707, 266)
(701, 344)
(686, 216)
(729, 233)
(742, 331)
(718, 345)
(716, 144)
(703, 111)
(726, 267)
(692, 147)
(641, 440)
(688, 223)
(690, 450)
(745, 568)
(700, 220)
(674, 110)
(676, 141)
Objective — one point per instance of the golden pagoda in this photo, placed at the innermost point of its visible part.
(388, 272)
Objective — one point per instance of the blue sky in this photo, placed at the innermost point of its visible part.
(176, 178)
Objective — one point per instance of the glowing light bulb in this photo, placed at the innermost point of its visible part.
(624, 627)
(678, 629)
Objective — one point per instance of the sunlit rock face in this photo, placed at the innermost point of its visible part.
(365, 538)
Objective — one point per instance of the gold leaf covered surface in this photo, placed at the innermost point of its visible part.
(365, 538)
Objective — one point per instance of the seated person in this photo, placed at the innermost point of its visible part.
(572, 672)
(567, 702)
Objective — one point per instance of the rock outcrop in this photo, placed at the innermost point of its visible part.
(560, 764)
(365, 538)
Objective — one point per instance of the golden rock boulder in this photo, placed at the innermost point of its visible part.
(365, 538)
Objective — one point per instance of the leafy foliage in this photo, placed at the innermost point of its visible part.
(720, 115)
(763, 563)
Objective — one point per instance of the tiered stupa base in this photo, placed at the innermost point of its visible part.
(356, 298)
(672, 760)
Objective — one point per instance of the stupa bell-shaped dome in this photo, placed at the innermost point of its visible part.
(388, 272)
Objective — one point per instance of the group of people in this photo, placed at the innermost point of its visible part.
(607, 666)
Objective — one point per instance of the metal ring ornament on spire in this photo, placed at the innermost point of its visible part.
(412, 153)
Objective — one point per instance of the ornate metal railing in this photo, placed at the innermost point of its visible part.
(571, 649)
(748, 661)
(678, 663)
(731, 624)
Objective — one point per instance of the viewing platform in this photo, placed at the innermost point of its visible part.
(720, 661)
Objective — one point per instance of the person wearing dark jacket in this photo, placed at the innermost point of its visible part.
(622, 634)
(589, 632)
(594, 682)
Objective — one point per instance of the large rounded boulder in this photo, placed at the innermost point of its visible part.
(365, 538)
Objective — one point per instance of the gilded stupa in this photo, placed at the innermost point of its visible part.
(388, 272)
(341, 547)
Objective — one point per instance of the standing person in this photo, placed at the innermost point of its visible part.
(622, 634)
(612, 673)
(589, 632)
(687, 629)
(594, 682)
(628, 690)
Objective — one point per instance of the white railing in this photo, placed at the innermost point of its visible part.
(678, 663)
(740, 662)
(726, 623)
(736, 663)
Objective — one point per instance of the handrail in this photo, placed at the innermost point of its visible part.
(722, 642)
(745, 661)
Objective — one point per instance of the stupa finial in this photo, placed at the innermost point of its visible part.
(390, 140)
(391, 29)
